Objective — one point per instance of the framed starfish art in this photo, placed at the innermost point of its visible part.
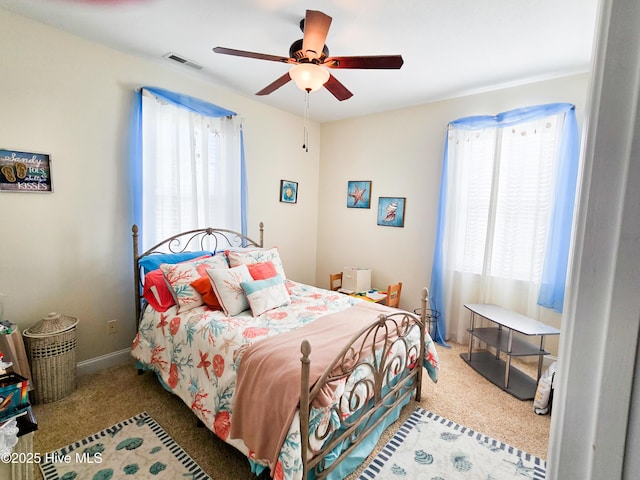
(359, 194)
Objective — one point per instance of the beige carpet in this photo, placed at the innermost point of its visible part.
(104, 399)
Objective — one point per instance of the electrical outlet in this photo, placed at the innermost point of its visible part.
(112, 326)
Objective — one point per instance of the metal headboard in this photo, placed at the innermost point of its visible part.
(210, 239)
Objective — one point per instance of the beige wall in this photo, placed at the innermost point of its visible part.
(401, 153)
(70, 251)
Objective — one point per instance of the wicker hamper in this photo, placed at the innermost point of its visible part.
(51, 349)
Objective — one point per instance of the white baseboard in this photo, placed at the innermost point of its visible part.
(97, 364)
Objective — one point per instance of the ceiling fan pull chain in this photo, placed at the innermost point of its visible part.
(305, 140)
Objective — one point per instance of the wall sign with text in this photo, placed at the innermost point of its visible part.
(25, 172)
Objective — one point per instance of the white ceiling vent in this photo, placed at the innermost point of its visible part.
(177, 58)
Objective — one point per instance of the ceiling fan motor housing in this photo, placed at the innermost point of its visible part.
(295, 51)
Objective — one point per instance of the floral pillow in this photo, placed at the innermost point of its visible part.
(180, 276)
(156, 291)
(256, 256)
(264, 295)
(227, 285)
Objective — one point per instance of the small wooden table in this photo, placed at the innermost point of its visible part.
(492, 367)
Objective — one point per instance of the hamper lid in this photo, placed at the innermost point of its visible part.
(52, 324)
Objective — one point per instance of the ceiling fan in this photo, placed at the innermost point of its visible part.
(310, 55)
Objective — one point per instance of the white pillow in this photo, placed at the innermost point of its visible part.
(256, 256)
(180, 275)
(226, 284)
(264, 295)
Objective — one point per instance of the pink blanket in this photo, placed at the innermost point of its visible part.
(268, 383)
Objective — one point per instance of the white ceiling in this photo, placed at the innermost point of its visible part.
(450, 47)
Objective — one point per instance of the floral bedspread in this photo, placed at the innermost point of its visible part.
(197, 353)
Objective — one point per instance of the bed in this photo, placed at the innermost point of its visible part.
(300, 379)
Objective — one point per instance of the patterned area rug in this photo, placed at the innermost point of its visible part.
(431, 447)
(135, 448)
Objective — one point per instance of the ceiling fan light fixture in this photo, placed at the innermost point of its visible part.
(309, 76)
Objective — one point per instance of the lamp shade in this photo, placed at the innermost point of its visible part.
(309, 76)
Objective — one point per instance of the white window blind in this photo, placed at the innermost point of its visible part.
(504, 201)
(191, 170)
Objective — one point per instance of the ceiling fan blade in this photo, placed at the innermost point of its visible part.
(316, 28)
(369, 62)
(337, 89)
(273, 86)
(259, 56)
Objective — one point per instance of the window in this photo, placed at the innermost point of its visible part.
(506, 210)
(191, 166)
(505, 206)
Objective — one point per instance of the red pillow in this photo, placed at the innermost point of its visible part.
(205, 289)
(262, 270)
(156, 291)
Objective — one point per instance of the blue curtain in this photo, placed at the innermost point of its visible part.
(135, 154)
(135, 148)
(436, 289)
(551, 294)
(556, 260)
